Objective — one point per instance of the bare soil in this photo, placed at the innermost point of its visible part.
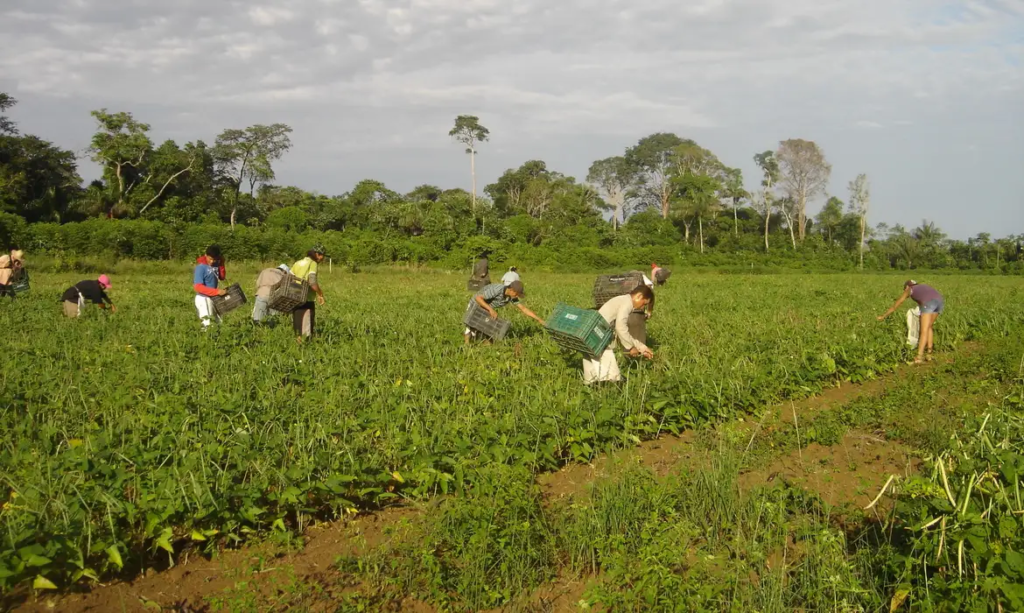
(849, 473)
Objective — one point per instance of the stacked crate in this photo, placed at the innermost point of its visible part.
(580, 330)
(230, 301)
(477, 318)
(607, 287)
(290, 293)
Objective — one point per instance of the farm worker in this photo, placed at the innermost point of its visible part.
(497, 295)
(659, 274)
(510, 276)
(617, 312)
(931, 303)
(304, 316)
(265, 283)
(10, 264)
(213, 258)
(204, 282)
(94, 291)
(481, 270)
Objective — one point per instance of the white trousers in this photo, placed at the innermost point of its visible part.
(604, 369)
(204, 306)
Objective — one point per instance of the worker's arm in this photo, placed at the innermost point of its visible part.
(630, 344)
(529, 313)
(896, 305)
(209, 291)
(483, 304)
(313, 285)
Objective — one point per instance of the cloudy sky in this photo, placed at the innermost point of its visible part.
(925, 96)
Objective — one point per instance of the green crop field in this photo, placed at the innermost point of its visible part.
(129, 437)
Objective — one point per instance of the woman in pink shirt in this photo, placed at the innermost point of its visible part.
(932, 303)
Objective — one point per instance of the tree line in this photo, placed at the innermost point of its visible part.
(664, 193)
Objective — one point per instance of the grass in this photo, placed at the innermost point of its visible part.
(135, 436)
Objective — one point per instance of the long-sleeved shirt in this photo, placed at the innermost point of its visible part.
(205, 259)
(267, 279)
(204, 280)
(616, 312)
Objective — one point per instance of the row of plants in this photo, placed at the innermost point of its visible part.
(135, 437)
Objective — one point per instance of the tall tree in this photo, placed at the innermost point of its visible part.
(248, 154)
(469, 132)
(769, 166)
(612, 177)
(804, 174)
(732, 189)
(120, 146)
(830, 216)
(860, 201)
(651, 166)
(6, 125)
(696, 181)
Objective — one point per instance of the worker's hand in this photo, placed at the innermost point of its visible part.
(113, 309)
(647, 353)
(881, 317)
(492, 313)
(320, 299)
(634, 352)
(649, 315)
(222, 292)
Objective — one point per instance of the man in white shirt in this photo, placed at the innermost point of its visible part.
(510, 276)
(616, 312)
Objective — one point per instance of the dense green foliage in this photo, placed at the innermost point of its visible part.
(666, 197)
(134, 435)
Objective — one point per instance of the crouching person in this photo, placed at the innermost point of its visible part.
(94, 291)
(265, 284)
(497, 295)
(617, 312)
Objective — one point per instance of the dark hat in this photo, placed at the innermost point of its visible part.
(518, 287)
(319, 248)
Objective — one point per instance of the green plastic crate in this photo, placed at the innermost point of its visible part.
(580, 330)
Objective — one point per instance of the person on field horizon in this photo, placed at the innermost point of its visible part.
(932, 304)
(510, 276)
(265, 284)
(659, 274)
(617, 313)
(94, 291)
(11, 265)
(496, 296)
(482, 270)
(208, 272)
(304, 316)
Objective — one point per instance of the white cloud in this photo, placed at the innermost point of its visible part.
(599, 74)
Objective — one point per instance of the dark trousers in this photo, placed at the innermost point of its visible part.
(637, 324)
(304, 319)
(7, 290)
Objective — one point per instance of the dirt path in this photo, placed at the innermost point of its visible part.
(849, 472)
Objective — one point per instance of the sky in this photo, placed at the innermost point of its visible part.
(924, 96)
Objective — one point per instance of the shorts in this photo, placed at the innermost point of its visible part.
(933, 306)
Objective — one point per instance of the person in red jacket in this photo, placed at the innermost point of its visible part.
(215, 259)
(209, 270)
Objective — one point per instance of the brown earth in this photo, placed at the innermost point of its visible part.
(850, 472)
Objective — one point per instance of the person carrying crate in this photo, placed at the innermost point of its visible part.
(265, 284)
(11, 265)
(94, 291)
(617, 312)
(204, 281)
(496, 296)
(214, 258)
(304, 316)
